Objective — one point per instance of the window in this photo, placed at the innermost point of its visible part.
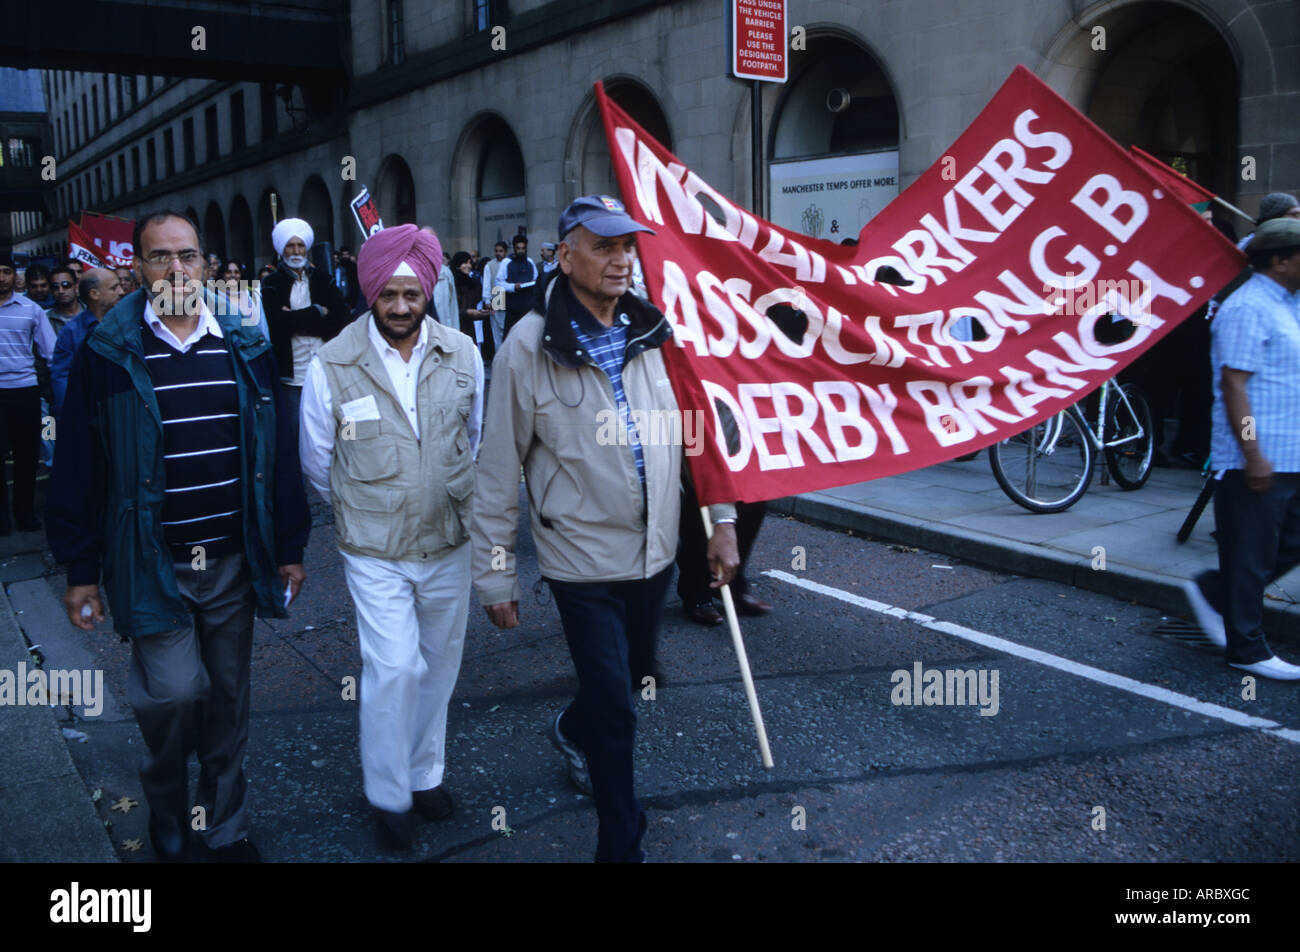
(268, 110)
(73, 136)
(237, 137)
(85, 120)
(150, 161)
(187, 139)
(487, 14)
(169, 153)
(396, 34)
(135, 166)
(210, 150)
(103, 85)
(121, 172)
(133, 89)
(94, 109)
(99, 187)
(121, 93)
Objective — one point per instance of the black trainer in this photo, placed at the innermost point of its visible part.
(578, 774)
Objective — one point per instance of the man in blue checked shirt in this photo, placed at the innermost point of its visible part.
(603, 511)
(1256, 443)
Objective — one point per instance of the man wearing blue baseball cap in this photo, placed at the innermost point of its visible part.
(603, 510)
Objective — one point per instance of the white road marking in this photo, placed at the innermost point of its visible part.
(1141, 688)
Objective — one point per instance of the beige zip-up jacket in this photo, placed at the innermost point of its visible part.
(546, 407)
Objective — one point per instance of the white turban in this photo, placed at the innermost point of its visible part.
(289, 229)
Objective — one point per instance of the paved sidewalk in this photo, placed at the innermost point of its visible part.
(46, 814)
(959, 510)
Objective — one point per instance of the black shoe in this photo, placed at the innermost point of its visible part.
(240, 851)
(752, 605)
(27, 523)
(6, 527)
(434, 804)
(394, 829)
(169, 839)
(704, 614)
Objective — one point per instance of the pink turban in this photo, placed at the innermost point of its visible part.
(384, 253)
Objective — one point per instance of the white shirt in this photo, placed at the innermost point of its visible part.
(303, 346)
(207, 325)
(317, 425)
(489, 279)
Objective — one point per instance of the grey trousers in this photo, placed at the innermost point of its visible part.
(189, 688)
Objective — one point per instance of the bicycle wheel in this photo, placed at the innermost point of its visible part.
(1047, 467)
(1129, 462)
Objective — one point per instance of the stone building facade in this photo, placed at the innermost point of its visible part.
(477, 116)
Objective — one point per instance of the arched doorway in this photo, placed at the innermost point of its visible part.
(487, 186)
(315, 208)
(241, 235)
(837, 122)
(589, 148)
(1167, 83)
(266, 222)
(214, 230)
(395, 192)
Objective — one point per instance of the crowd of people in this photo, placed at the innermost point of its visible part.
(185, 434)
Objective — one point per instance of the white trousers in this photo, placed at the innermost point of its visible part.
(498, 328)
(411, 618)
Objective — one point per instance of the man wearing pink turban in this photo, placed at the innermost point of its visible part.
(391, 414)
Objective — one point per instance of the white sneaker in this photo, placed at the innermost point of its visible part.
(1273, 667)
(1211, 622)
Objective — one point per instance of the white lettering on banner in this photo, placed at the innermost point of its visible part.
(1077, 255)
(1116, 197)
(943, 389)
(795, 414)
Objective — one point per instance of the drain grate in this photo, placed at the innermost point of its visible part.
(1185, 633)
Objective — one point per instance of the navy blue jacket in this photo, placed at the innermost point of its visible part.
(106, 491)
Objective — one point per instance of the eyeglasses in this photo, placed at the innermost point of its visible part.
(64, 284)
(187, 258)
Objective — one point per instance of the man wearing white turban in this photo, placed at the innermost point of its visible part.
(303, 309)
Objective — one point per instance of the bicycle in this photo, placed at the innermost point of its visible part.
(1049, 467)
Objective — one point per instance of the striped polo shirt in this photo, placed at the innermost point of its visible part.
(198, 399)
(22, 323)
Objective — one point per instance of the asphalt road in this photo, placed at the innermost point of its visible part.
(857, 776)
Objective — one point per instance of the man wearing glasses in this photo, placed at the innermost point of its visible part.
(63, 282)
(99, 289)
(24, 325)
(174, 475)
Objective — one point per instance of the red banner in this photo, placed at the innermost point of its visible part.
(81, 248)
(110, 237)
(1171, 178)
(812, 370)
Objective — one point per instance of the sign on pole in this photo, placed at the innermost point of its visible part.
(367, 214)
(758, 40)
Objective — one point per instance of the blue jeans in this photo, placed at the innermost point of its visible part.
(611, 629)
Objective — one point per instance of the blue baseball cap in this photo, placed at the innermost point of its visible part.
(602, 215)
